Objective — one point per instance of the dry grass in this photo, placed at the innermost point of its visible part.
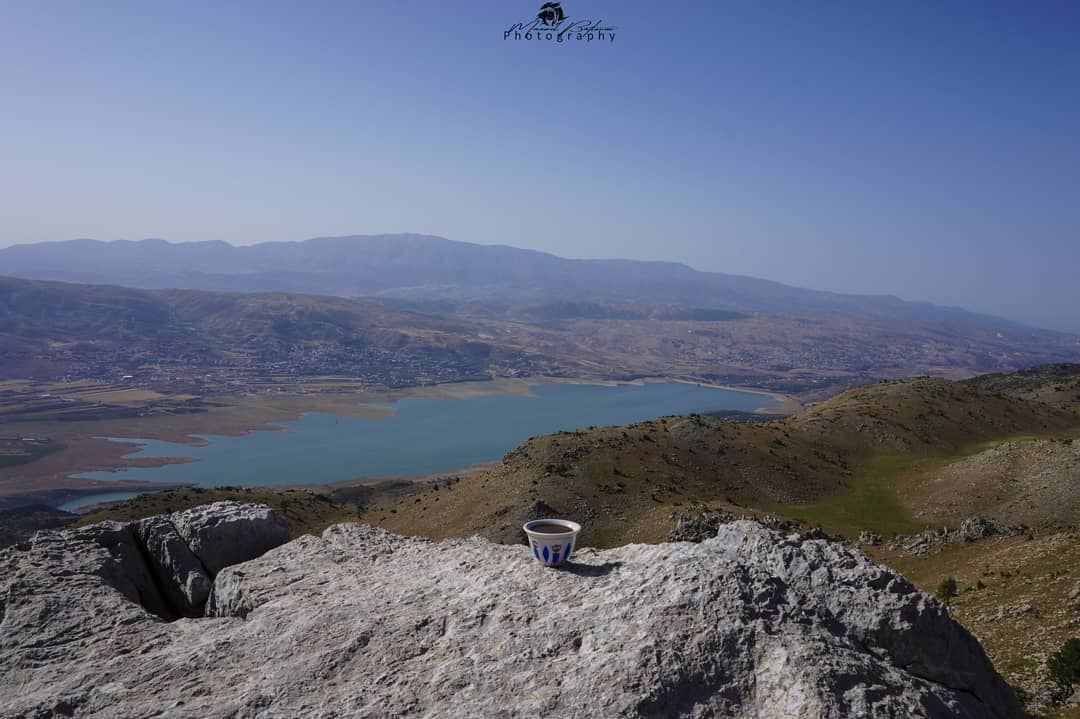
(621, 483)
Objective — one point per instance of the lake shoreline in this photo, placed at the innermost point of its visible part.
(232, 417)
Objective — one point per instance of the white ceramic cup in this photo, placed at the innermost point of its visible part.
(552, 549)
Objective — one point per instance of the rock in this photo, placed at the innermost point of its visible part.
(869, 538)
(698, 523)
(1014, 611)
(814, 533)
(780, 524)
(920, 543)
(62, 594)
(181, 577)
(225, 533)
(975, 528)
(185, 550)
(971, 529)
(361, 622)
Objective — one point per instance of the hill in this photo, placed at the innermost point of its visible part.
(427, 268)
(1057, 384)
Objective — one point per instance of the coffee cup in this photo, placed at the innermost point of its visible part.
(552, 540)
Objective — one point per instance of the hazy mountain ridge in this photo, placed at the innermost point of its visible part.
(424, 267)
(51, 329)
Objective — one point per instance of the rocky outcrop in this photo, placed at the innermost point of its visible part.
(185, 550)
(360, 622)
(147, 562)
(225, 533)
(869, 539)
(971, 529)
(181, 577)
(698, 522)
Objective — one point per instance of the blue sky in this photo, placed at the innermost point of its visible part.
(925, 149)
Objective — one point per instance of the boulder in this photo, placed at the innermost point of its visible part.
(181, 577)
(361, 622)
(225, 533)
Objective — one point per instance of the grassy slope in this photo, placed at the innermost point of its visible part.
(838, 464)
(870, 503)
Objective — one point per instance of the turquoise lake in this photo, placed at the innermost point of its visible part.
(423, 436)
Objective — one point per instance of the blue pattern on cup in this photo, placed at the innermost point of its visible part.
(552, 551)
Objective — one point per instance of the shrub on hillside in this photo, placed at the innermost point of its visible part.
(946, 590)
(1064, 668)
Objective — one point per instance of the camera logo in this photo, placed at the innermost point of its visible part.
(551, 13)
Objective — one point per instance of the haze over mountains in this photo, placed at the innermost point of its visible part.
(422, 268)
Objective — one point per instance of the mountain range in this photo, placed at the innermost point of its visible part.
(440, 273)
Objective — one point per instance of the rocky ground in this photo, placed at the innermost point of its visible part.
(361, 622)
(1031, 482)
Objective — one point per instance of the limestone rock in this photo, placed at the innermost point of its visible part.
(973, 529)
(62, 594)
(181, 577)
(869, 538)
(225, 533)
(364, 623)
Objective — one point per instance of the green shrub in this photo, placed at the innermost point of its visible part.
(946, 590)
(1064, 667)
